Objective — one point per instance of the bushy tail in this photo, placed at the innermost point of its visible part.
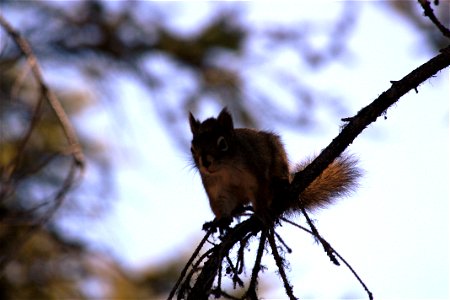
(338, 180)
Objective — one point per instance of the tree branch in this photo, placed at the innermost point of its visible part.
(74, 146)
(323, 241)
(302, 179)
(251, 291)
(279, 262)
(366, 116)
(74, 149)
(188, 264)
(428, 12)
(209, 271)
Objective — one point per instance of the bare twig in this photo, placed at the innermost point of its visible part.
(58, 199)
(24, 141)
(323, 241)
(74, 146)
(279, 262)
(234, 235)
(188, 264)
(288, 249)
(302, 179)
(251, 291)
(235, 273)
(240, 253)
(319, 238)
(186, 287)
(11, 177)
(364, 117)
(428, 11)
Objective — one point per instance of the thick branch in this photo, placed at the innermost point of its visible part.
(366, 116)
(302, 179)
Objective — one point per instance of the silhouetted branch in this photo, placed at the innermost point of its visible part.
(280, 264)
(428, 11)
(186, 267)
(355, 125)
(288, 249)
(323, 241)
(11, 178)
(319, 238)
(366, 116)
(185, 286)
(251, 291)
(235, 272)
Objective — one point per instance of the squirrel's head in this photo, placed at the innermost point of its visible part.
(212, 141)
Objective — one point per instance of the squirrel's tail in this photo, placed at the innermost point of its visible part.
(337, 180)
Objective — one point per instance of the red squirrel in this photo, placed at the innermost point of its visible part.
(239, 166)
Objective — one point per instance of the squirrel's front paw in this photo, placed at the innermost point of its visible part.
(221, 224)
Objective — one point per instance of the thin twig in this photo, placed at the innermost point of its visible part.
(319, 238)
(188, 264)
(39, 166)
(251, 291)
(279, 262)
(194, 269)
(234, 271)
(369, 293)
(219, 275)
(288, 249)
(15, 89)
(428, 11)
(240, 253)
(58, 199)
(76, 164)
(302, 179)
(74, 146)
(24, 141)
(234, 235)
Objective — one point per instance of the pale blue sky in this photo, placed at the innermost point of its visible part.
(394, 230)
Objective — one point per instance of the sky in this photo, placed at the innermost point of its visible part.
(394, 230)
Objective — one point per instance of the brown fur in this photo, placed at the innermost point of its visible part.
(241, 166)
(337, 180)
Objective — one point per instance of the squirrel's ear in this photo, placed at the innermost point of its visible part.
(193, 123)
(225, 119)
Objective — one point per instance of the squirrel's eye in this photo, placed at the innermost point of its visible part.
(222, 144)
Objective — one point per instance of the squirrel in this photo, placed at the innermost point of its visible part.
(239, 166)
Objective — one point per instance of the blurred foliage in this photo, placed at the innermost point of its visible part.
(212, 65)
(44, 267)
(36, 262)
